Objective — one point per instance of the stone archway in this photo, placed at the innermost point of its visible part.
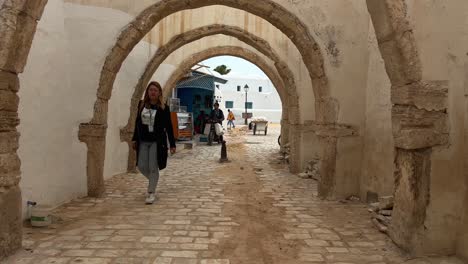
(261, 45)
(272, 12)
(187, 37)
(126, 132)
(18, 22)
(94, 132)
(419, 119)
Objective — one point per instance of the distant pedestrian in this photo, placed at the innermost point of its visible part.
(231, 119)
(217, 115)
(153, 128)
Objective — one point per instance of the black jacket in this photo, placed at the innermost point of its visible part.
(163, 131)
(218, 117)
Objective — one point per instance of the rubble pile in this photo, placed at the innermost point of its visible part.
(381, 213)
(312, 170)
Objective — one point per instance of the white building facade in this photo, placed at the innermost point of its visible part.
(262, 98)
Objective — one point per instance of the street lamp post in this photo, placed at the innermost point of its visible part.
(246, 89)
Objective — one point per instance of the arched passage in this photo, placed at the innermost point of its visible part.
(288, 94)
(248, 55)
(195, 34)
(277, 15)
(94, 132)
(287, 102)
(219, 51)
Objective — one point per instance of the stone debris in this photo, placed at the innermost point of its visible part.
(386, 202)
(386, 212)
(382, 228)
(312, 170)
(381, 213)
(351, 199)
(374, 207)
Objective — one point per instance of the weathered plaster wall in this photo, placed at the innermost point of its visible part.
(341, 28)
(378, 151)
(57, 94)
(311, 148)
(462, 243)
(441, 31)
(128, 6)
(52, 158)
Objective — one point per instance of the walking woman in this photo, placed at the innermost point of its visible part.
(153, 128)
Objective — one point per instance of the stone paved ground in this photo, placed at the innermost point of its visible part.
(250, 210)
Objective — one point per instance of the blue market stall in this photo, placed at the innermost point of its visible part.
(197, 93)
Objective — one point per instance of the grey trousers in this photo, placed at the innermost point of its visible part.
(148, 164)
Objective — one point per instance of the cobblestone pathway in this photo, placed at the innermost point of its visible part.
(250, 210)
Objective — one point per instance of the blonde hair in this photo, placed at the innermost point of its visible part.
(146, 100)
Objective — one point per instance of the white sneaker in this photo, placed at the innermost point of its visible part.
(150, 199)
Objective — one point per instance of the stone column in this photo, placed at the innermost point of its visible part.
(10, 194)
(328, 136)
(326, 188)
(416, 130)
(94, 135)
(295, 155)
(295, 139)
(18, 22)
(412, 193)
(419, 120)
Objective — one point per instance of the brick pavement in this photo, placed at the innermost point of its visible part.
(251, 210)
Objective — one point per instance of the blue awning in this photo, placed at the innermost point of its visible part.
(201, 81)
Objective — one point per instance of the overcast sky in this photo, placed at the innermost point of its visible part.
(239, 67)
